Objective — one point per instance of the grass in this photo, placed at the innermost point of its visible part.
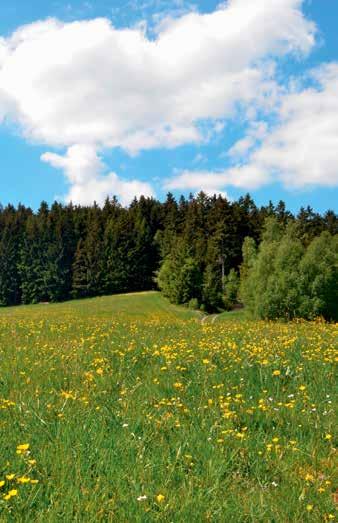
(135, 411)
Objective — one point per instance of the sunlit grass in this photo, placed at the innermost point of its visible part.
(129, 409)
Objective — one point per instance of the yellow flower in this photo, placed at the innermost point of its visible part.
(160, 498)
(309, 477)
(23, 480)
(10, 477)
(2, 483)
(328, 436)
(276, 373)
(34, 481)
(302, 387)
(20, 449)
(309, 508)
(10, 494)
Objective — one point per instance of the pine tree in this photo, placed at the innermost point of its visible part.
(80, 285)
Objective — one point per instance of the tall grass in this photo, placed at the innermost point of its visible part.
(129, 409)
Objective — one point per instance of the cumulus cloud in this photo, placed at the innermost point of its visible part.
(88, 181)
(88, 83)
(301, 150)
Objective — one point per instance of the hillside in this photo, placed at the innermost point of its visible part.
(127, 408)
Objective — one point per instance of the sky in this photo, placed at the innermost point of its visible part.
(145, 97)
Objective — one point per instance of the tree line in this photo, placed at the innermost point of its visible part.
(191, 247)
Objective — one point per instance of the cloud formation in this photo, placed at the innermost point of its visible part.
(89, 84)
(88, 181)
(301, 150)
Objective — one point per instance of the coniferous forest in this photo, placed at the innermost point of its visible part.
(67, 251)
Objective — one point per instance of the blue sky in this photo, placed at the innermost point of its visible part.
(265, 123)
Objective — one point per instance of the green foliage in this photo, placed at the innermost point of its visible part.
(180, 276)
(212, 288)
(193, 304)
(287, 280)
(318, 278)
(231, 290)
(72, 251)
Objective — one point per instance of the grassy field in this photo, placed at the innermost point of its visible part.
(128, 409)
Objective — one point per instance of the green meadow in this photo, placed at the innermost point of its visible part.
(129, 409)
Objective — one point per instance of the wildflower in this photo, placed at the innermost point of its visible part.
(160, 498)
(141, 498)
(309, 508)
(328, 436)
(23, 480)
(2, 483)
(21, 449)
(309, 477)
(34, 481)
(11, 494)
(10, 477)
(276, 373)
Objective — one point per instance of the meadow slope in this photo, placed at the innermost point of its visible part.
(128, 409)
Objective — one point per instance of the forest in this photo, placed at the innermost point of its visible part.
(196, 250)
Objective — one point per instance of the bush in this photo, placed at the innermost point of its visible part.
(285, 280)
(193, 304)
(231, 288)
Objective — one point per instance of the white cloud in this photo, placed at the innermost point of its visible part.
(301, 150)
(246, 177)
(86, 82)
(84, 171)
(90, 84)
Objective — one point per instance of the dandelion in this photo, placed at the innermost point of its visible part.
(23, 448)
(10, 477)
(23, 480)
(309, 508)
(328, 437)
(11, 494)
(160, 498)
(2, 482)
(276, 373)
